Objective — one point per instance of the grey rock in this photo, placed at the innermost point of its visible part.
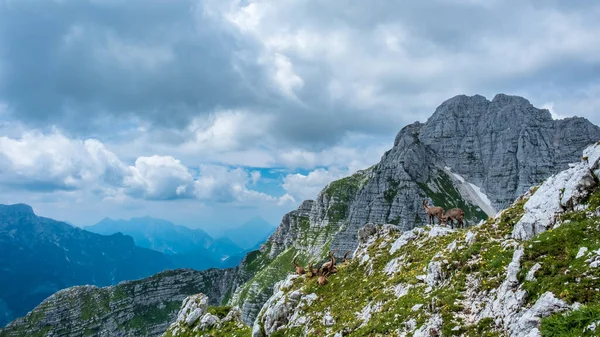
(367, 231)
(432, 324)
(531, 273)
(435, 273)
(328, 319)
(529, 320)
(192, 309)
(509, 299)
(208, 321)
(581, 252)
(470, 238)
(235, 315)
(561, 192)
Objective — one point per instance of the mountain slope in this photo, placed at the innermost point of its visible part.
(472, 153)
(133, 308)
(41, 256)
(531, 270)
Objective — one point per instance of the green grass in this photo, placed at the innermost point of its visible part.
(342, 192)
(572, 324)
(220, 311)
(561, 272)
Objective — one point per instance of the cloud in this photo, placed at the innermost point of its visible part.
(161, 178)
(311, 71)
(53, 162)
(308, 186)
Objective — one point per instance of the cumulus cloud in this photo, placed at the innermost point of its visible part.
(308, 186)
(53, 162)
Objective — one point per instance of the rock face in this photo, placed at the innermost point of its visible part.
(134, 308)
(473, 153)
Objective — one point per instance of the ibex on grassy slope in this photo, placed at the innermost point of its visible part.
(329, 266)
(454, 214)
(322, 280)
(299, 269)
(433, 211)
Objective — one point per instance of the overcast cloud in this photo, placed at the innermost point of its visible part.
(210, 112)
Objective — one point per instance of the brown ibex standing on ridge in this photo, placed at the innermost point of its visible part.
(299, 269)
(433, 211)
(454, 214)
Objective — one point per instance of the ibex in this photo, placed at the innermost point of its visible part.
(313, 272)
(433, 211)
(329, 266)
(454, 214)
(346, 259)
(299, 269)
(322, 280)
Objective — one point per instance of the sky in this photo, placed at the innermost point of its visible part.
(207, 113)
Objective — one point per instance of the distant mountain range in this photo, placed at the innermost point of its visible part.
(186, 247)
(41, 256)
(249, 235)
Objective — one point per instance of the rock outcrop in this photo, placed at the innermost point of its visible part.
(195, 319)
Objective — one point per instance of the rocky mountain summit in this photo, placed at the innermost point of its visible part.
(473, 153)
(531, 270)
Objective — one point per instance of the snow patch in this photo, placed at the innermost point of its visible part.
(472, 193)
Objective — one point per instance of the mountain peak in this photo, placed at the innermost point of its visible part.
(16, 210)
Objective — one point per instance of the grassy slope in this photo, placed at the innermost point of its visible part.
(350, 290)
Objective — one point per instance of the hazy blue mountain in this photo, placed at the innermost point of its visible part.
(186, 247)
(250, 234)
(40, 256)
